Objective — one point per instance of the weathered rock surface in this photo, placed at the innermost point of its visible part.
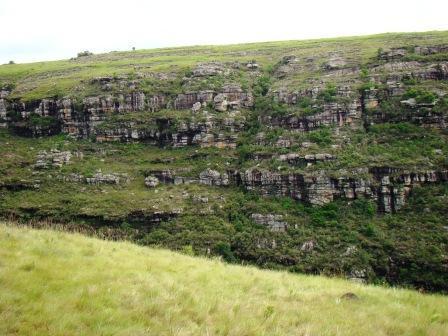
(97, 179)
(388, 186)
(151, 181)
(392, 54)
(300, 160)
(335, 62)
(52, 159)
(208, 69)
(212, 177)
(81, 119)
(272, 221)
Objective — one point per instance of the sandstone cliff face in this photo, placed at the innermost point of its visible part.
(204, 129)
(81, 119)
(334, 114)
(389, 187)
(212, 117)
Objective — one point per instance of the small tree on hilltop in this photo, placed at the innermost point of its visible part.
(84, 53)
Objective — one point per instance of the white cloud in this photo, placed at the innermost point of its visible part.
(40, 30)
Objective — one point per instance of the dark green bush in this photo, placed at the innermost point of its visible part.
(225, 252)
(329, 93)
(14, 116)
(420, 95)
(42, 121)
(321, 136)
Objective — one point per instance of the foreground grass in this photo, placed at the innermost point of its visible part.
(55, 283)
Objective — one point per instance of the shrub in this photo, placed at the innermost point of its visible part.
(321, 136)
(379, 53)
(14, 116)
(225, 252)
(85, 53)
(421, 96)
(39, 121)
(364, 207)
(261, 87)
(364, 74)
(329, 93)
(369, 230)
(267, 105)
(305, 102)
(243, 152)
(409, 80)
(187, 250)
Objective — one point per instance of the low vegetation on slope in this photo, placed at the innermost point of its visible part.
(54, 283)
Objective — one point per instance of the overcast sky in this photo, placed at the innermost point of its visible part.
(36, 30)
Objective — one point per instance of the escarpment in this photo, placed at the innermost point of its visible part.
(324, 157)
(221, 112)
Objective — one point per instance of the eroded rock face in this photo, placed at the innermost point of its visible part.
(430, 50)
(82, 118)
(196, 107)
(410, 111)
(151, 181)
(113, 178)
(335, 62)
(334, 114)
(272, 221)
(389, 187)
(308, 246)
(392, 54)
(212, 177)
(97, 179)
(208, 132)
(52, 159)
(208, 69)
(3, 107)
(169, 176)
(301, 160)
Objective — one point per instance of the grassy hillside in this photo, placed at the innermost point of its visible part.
(54, 283)
(71, 77)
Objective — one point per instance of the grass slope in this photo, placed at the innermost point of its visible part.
(54, 283)
(58, 78)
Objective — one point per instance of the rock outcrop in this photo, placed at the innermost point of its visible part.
(213, 178)
(97, 179)
(388, 186)
(272, 221)
(151, 181)
(52, 159)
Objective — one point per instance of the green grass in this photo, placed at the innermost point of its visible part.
(70, 77)
(55, 283)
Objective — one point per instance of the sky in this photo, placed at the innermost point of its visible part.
(37, 30)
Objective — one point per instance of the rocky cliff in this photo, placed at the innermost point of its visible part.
(250, 146)
(367, 95)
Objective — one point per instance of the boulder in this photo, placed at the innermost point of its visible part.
(151, 181)
(252, 65)
(212, 177)
(220, 102)
(196, 107)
